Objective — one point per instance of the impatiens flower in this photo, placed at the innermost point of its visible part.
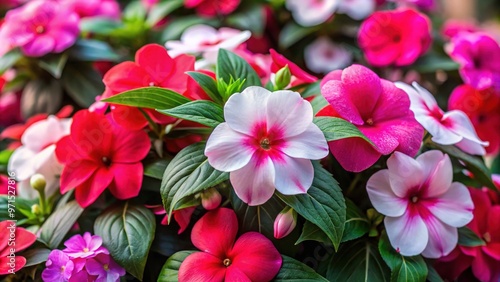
(152, 67)
(100, 154)
(182, 216)
(426, 5)
(285, 222)
(379, 109)
(323, 56)
(452, 28)
(357, 9)
(453, 127)
(385, 39)
(105, 268)
(266, 139)
(423, 208)
(212, 8)
(86, 246)
(40, 27)
(299, 76)
(312, 12)
(251, 257)
(94, 8)
(10, 107)
(483, 109)
(206, 41)
(17, 238)
(37, 155)
(59, 267)
(479, 57)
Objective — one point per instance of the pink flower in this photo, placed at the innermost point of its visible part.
(37, 155)
(59, 267)
(357, 9)
(251, 257)
(266, 139)
(94, 8)
(104, 268)
(423, 208)
(41, 27)
(479, 57)
(311, 12)
(182, 216)
(385, 37)
(212, 8)
(100, 154)
(452, 28)
(379, 109)
(284, 223)
(86, 246)
(22, 240)
(453, 127)
(323, 56)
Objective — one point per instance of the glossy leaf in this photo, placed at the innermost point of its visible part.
(356, 224)
(8, 59)
(467, 237)
(170, 270)
(54, 64)
(59, 223)
(93, 50)
(208, 84)
(161, 10)
(336, 128)
(200, 111)
(230, 65)
(99, 25)
(82, 83)
(156, 169)
(293, 270)
(149, 97)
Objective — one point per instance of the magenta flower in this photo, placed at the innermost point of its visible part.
(87, 246)
(266, 139)
(479, 57)
(59, 267)
(251, 257)
(41, 27)
(423, 208)
(105, 268)
(453, 127)
(379, 109)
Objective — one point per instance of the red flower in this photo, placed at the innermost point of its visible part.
(152, 67)
(182, 216)
(212, 8)
(99, 154)
(250, 258)
(9, 261)
(299, 76)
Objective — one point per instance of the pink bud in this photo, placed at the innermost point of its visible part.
(210, 199)
(285, 222)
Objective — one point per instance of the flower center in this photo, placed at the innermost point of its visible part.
(63, 268)
(39, 29)
(265, 144)
(369, 121)
(396, 38)
(106, 161)
(414, 199)
(487, 237)
(86, 250)
(226, 262)
(106, 267)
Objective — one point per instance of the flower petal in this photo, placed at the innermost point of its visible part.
(127, 180)
(129, 146)
(443, 238)
(438, 172)
(19, 262)
(243, 110)
(382, 197)
(310, 144)
(288, 112)
(75, 173)
(202, 267)
(407, 233)
(454, 207)
(154, 59)
(293, 176)
(338, 97)
(406, 174)
(344, 149)
(90, 190)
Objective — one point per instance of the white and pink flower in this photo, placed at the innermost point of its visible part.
(423, 208)
(267, 138)
(447, 128)
(312, 12)
(324, 56)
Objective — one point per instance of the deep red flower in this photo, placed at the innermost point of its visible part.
(22, 239)
(252, 257)
(182, 216)
(100, 154)
(212, 8)
(299, 76)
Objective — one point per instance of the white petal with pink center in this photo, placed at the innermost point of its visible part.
(450, 128)
(312, 12)
(266, 139)
(324, 56)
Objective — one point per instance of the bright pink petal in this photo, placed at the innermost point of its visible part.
(178, 80)
(438, 172)
(363, 87)
(344, 149)
(127, 180)
(243, 111)
(381, 136)
(338, 97)
(129, 146)
(128, 117)
(493, 250)
(92, 133)
(126, 76)
(19, 263)
(408, 133)
(287, 180)
(39, 46)
(235, 274)
(75, 173)
(201, 266)
(483, 268)
(382, 195)
(443, 238)
(288, 113)
(183, 217)
(310, 144)
(407, 233)
(454, 207)
(154, 59)
(256, 256)
(393, 103)
(91, 189)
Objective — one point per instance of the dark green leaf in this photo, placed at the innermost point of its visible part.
(41, 96)
(156, 169)
(59, 223)
(467, 237)
(9, 59)
(161, 10)
(82, 83)
(294, 271)
(200, 111)
(35, 256)
(149, 97)
(323, 204)
(495, 166)
(93, 50)
(433, 275)
(127, 232)
(99, 25)
(337, 128)
(208, 84)
(358, 261)
(434, 62)
(230, 65)
(249, 19)
(356, 224)
(170, 270)
(312, 232)
(54, 64)
(176, 27)
(293, 32)
(187, 174)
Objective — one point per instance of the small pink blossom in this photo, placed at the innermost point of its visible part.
(357, 9)
(323, 56)
(312, 12)
(423, 208)
(285, 223)
(94, 8)
(453, 127)
(86, 246)
(212, 8)
(266, 139)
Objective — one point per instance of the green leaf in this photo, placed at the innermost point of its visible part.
(54, 64)
(474, 164)
(187, 174)
(337, 128)
(99, 25)
(432, 62)
(323, 204)
(35, 256)
(411, 269)
(5, 156)
(311, 232)
(294, 271)
(467, 237)
(208, 84)
(134, 11)
(82, 83)
(318, 103)
(157, 169)
(230, 65)
(358, 261)
(356, 224)
(127, 232)
(59, 223)
(249, 19)
(41, 96)
(93, 50)
(9, 59)
(200, 111)
(149, 97)
(495, 166)
(161, 10)
(170, 270)
(292, 33)
(432, 275)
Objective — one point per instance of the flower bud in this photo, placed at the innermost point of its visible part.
(35, 209)
(210, 199)
(38, 182)
(283, 78)
(285, 222)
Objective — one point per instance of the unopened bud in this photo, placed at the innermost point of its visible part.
(285, 222)
(283, 77)
(35, 209)
(38, 182)
(210, 199)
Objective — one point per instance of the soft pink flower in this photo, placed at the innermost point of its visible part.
(357, 9)
(37, 155)
(41, 27)
(312, 12)
(251, 257)
(396, 37)
(379, 109)
(452, 27)
(94, 8)
(450, 128)
(423, 208)
(266, 139)
(284, 223)
(323, 56)
(479, 57)
(212, 8)
(426, 5)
